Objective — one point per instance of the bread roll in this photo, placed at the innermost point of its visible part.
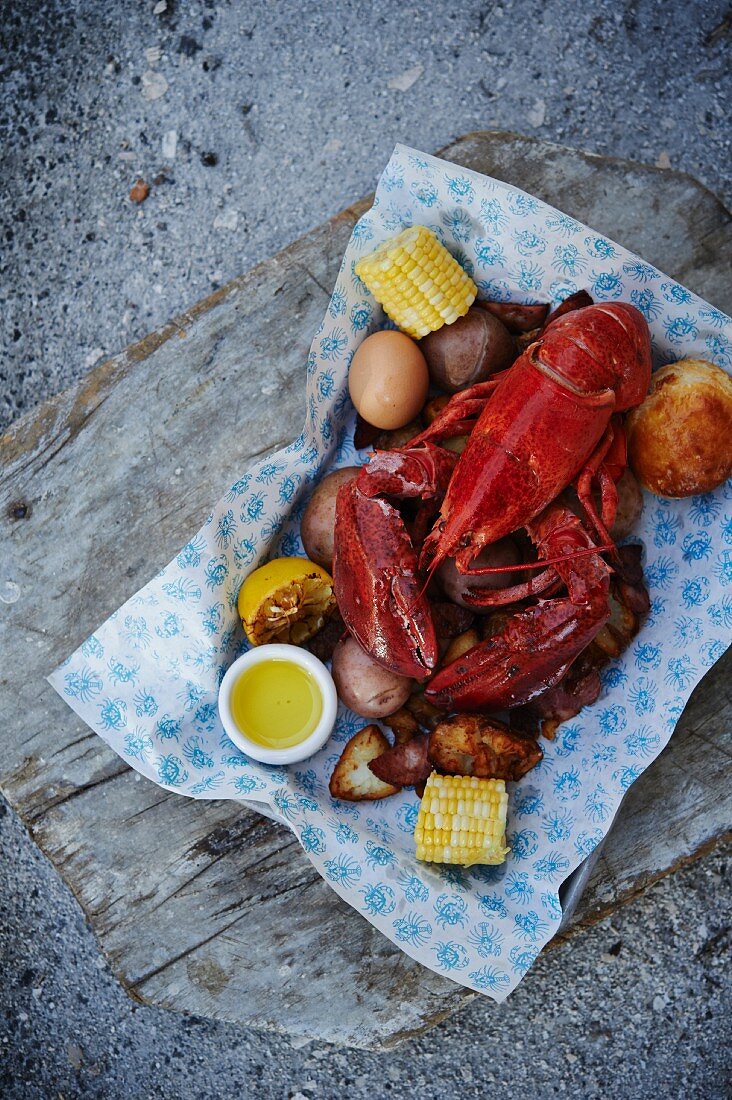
(680, 438)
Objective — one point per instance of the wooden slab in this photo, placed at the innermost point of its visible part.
(206, 907)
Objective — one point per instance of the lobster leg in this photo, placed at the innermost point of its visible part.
(460, 414)
(540, 584)
(603, 468)
(536, 646)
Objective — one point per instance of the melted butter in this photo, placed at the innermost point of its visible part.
(276, 703)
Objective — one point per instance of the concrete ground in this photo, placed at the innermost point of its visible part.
(253, 122)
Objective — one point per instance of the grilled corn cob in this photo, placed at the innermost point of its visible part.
(462, 820)
(417, 281)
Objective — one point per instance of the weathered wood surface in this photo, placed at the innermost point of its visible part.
(207, 907)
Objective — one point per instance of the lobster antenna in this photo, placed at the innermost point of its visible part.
(541, 563)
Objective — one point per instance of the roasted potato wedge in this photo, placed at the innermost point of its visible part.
(352, 779)
(468, 744)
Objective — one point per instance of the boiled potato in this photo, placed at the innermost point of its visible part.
(363, 685)
(455, 584)
(469, 350)
(318, 521)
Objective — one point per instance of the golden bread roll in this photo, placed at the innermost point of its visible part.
(680, 438)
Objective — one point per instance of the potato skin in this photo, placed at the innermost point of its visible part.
(680, 438)
(469, 350)
(318, 521)
(454, 584)
(363, 685)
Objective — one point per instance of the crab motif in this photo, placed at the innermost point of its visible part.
(378, 899)
(451, 955)
(450, 910)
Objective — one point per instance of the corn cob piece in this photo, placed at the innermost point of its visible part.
(417, 281)
(462, 820)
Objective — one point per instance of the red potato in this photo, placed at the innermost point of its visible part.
(515, 316)
(469, 350)
(455, 584)
(318, 521)
(363, 685)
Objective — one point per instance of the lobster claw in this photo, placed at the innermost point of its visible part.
(378, 587)
(536, 646)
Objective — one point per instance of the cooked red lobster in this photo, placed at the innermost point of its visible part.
(546, 423)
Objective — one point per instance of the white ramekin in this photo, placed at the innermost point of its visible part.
(320, 674)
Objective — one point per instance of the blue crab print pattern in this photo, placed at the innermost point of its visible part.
(113, 714)
(606, 286)
(492, 216)
(489, 251)
(600, 249)
(378, 856)
(171, 770)
(147, 680)
(680, 328)
(138, 744)
(195, 752)
(378, 899)
(529, 926)
(521, 205)
(523, 844)
(647, 302)
(414, 889)
(451, 955)
(450, 910)
(529, 243)
(313, 839)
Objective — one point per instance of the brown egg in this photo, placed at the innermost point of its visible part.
(388, 379)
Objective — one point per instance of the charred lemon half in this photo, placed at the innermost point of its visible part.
(286, 600)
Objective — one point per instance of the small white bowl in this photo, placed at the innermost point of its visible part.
(320, 674)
